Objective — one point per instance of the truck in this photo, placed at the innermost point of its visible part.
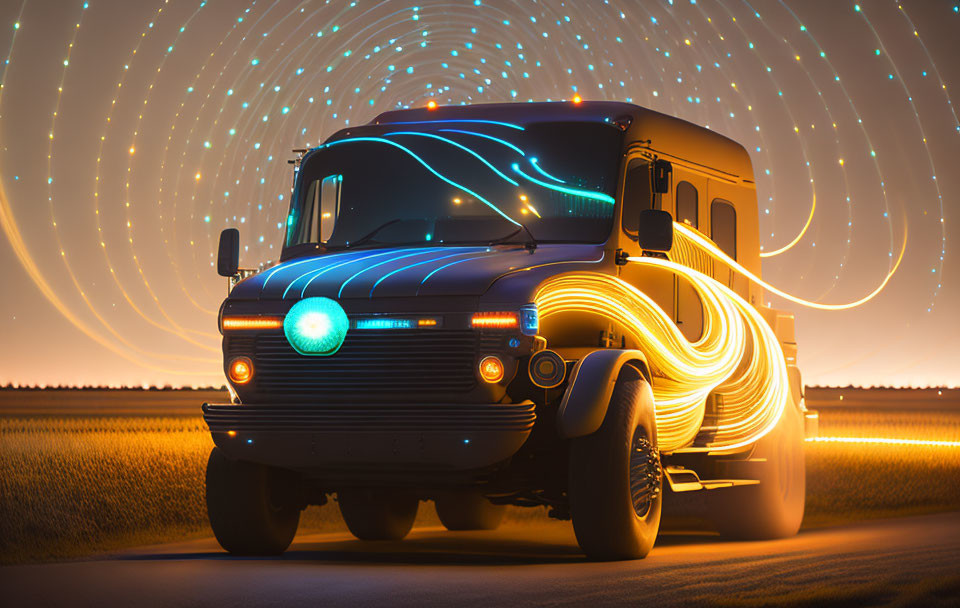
(538, 305)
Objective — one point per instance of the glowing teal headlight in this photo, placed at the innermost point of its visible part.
(316, 326)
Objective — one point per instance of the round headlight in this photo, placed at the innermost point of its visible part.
(316, 326)
(240, 370)
(491, 369)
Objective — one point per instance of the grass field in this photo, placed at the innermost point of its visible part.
(80, 485)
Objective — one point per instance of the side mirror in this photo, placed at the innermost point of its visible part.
(655, 232)
(661, 176)
(228, 255)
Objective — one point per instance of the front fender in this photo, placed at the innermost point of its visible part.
(589, 388)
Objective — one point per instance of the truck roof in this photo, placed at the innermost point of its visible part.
(668, 134)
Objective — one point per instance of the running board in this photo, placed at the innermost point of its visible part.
(686, 480)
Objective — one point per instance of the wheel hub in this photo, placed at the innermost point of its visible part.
(645, 473)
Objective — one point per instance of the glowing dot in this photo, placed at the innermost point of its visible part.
(577, 99)
(206, 144)
(132, 149)
(16, 25)
(432, 105)
(254, 62)
(197, 176)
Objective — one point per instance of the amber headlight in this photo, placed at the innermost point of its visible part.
(240, 370)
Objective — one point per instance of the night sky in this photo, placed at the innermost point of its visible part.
(131, 133)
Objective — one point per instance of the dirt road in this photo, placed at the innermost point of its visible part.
(913, 559)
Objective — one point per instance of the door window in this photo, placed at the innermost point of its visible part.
(723, 226)
(687, 204)
(320, 208)
(637, 194)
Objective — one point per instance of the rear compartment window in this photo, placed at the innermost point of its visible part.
(723, 226)
(687, 204)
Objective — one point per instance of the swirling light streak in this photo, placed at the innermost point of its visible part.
(65, 258)
(427, 166)
(174, 327)
(460, 146)
(716, 253)
(738, 356)
(597, 196)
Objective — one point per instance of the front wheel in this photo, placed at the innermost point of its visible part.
(378, 513)
(616, 480)
(252, 507)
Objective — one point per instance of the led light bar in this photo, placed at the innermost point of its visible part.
(394, 323)
(385, 324)
(495, 320)
(232, 323)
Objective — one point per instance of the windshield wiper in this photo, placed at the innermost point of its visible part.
(530, 244)
(369, 236)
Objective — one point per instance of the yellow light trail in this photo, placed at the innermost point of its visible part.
(885, 441)
(9, 226)
(796, 239)
(685, 232)
(738, 355)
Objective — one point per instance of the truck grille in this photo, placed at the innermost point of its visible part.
(393, 362)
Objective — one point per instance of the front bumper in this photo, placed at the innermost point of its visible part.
(366, 438)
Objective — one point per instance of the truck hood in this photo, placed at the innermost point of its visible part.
(399, 272)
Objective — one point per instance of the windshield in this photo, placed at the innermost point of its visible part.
(456, 182)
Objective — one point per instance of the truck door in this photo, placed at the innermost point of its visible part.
(690, 189)
(729, 226)
(637, 196)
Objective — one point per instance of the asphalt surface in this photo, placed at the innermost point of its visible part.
(914, 559)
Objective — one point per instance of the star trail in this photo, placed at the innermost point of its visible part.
(131, 133)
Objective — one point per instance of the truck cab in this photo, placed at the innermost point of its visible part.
(509, 304)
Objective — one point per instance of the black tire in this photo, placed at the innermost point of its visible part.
(613, 468)
(252, 507)
(377, 513)
(468, 510)
(774, 507)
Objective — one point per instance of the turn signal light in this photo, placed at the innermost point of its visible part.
(495, 320)
(240, 370)
(491, 369)
(252, 323)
